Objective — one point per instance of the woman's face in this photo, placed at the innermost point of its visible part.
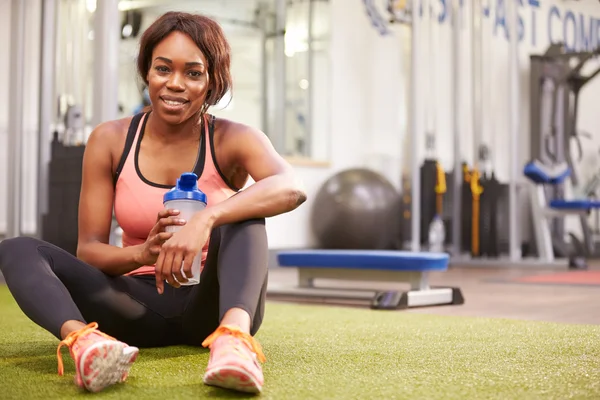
(177, 79)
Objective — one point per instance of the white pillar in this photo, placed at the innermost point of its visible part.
(456, 101)
(47, 102)
(15, 118)
(415, 130)
(107, 28)
(514, 120)
(280, 96)
(476, 80)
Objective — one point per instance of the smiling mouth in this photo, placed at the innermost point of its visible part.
(174, 102)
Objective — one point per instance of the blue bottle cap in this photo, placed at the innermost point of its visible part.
(186, 189)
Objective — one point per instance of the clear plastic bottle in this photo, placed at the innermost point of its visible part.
(188, 199)
(437, 235)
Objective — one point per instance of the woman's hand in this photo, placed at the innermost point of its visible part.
(157, 236)
(180, 249)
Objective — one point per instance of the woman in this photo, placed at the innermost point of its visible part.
(110, 301)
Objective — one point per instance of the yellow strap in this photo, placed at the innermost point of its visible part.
(440, 184)
(476, 191)
(476, 188)
(440, 188)
(439, 201)
(475, 229)
(466, 173)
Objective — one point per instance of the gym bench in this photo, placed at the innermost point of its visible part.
(368, 266)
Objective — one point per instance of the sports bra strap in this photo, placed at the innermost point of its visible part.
(135, 121)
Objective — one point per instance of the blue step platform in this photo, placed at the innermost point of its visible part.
(387, 260)
(373, 269)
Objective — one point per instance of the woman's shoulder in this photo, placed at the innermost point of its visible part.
(113, 128)
(230, 130)
(110, 133)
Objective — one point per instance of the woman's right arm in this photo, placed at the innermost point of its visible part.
(96, 206)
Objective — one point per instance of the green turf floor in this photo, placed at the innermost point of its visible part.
(317, 352)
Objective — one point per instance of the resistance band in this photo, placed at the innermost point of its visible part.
(476, 191)
(440, 188)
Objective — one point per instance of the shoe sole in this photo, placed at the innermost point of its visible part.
(106, 363)
(234, 378)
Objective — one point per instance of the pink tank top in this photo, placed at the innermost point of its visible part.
(138, 201)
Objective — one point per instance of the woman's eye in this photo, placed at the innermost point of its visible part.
(195, 74)
(161, 68)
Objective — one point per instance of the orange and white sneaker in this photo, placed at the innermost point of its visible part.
(234, 360)
(100, 360)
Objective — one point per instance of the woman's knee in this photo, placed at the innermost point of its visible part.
(16, 247)
(249, 223)
(252, 227)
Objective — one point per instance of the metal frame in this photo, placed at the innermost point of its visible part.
(543, 216)
(554, 101)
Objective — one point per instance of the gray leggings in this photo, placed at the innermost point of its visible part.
(52, 286)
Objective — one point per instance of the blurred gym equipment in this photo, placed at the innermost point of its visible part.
(556, 82)
(479, 213)
(544, 211)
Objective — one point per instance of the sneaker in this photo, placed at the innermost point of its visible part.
(234, 360)
(100, 360)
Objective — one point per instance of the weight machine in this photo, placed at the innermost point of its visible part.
(556, 81)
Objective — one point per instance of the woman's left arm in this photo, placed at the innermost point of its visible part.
(276, 191)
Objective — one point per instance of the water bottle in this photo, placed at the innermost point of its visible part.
(188, 199)
(437, 235)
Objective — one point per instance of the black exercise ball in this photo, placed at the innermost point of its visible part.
(357, 209)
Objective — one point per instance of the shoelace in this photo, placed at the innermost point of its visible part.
(237, 333)
(73, 337)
